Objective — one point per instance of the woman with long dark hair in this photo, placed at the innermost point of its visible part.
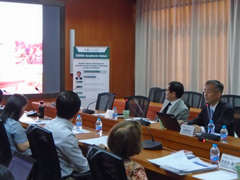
(10, 116)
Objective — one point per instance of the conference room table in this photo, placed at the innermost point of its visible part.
(171, 140)
(153, 171)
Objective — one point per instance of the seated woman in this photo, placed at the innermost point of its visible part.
(10, 116)
(125, 140)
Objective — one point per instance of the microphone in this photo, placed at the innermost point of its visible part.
(219, 145)
(147, 144)
(6, 92)
(89, 111)
(77, 87)
(208, 111)
(205, 136)
(38, 90)
(143, 122)
(139, 107)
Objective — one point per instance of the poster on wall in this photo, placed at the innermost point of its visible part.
(90, 73)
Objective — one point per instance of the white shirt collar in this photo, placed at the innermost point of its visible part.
(214, 107)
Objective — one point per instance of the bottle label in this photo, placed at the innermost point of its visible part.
(210, 130)
(98, 129)
(115, 116)
(78, 124)
(224, 136)
(214, 158)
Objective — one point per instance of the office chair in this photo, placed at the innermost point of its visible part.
(105, 165)
(234, 100)
(188, 105)
(44, 151)
(105, 101)
(138, 105)
(156, 94)
(5, 150)
(194, 99)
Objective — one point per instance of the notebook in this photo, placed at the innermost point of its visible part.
(21, 166)
(169, 121)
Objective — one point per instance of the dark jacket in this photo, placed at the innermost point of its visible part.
(223, 115)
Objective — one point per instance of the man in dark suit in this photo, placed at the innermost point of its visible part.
(220, 112)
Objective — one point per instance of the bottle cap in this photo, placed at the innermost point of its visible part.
(114, 108)
(79, 115)
(99, 119)
(214, 145)
(41, 102)
(223, 126)
(211, 121)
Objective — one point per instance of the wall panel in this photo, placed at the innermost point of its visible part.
(105, 23)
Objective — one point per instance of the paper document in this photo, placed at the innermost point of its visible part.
(95, 141)
(170, 159)
(99, 114)
(77, 131)
(179, 163)
(28, 120)
(220, 175)
(190, 166)
(138, 118)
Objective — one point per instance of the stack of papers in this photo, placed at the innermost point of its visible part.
(77, 131)
(179, 163)
(95, 141)
(221, 174)
(28, 120)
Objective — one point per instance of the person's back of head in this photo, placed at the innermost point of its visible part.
(176, 87)
(125, 139)
(67, 104)
(14, 107)
(5, 174)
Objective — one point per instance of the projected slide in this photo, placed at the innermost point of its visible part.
(21, 65)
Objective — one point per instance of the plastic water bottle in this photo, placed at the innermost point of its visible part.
(211, 127)
(214, 154)
(41, 109)
(115, 113)
(99, 126)
(79, 122)
(224, 134)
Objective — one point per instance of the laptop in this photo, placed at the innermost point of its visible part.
(21, 166)
(169, 121)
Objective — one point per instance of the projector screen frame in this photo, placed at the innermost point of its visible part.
(61, 5)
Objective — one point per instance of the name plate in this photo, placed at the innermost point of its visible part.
(187, 130)
(228, 162)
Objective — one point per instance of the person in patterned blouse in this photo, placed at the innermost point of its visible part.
(125, 140)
